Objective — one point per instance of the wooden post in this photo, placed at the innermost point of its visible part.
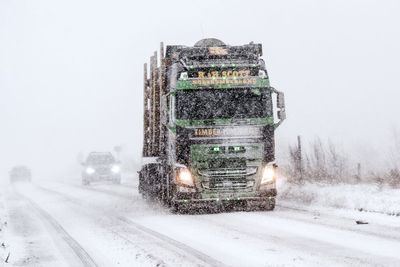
(162, 87)
(151, 107)
(299, 158)
(155, 108)
(146, 119)
(162, 69)
(358, 172)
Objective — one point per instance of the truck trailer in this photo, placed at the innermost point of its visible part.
(209, 120)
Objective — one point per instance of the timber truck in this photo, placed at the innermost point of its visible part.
(209, 121)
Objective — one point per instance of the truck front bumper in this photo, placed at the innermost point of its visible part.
(224, 200)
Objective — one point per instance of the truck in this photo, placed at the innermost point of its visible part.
(210, 116)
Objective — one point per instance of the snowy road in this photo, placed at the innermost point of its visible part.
(66, 224)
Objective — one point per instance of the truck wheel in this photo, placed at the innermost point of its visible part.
(251, 206)
(85, 182)
(178, 208)
(175, 208)
(269, 205)
(117, 181)
(145, 195)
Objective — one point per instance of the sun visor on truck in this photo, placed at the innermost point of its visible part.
(250, 51)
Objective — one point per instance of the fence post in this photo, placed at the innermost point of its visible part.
(299, 158)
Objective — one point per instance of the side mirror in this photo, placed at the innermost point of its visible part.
(280, 100)
(282, 115)
(280, 106)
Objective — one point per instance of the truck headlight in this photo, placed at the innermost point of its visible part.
(115, 169)
(269, 174)
(185, 177)
(90, 170)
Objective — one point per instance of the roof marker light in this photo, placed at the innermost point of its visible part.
(262, 74)
(184, 76)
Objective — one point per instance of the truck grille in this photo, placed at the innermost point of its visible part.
(217, 183)
(228, 179)
(228, 172)
(227, 163)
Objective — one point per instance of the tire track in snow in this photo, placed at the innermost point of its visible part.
(283, 207)
(156, 261)
(338, 253)
(79, 251)
(174, 244)
(131, 186)
(104, 191)
(198, 254)
(108, 192)
(334, 252)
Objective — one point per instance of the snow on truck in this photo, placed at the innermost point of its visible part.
(209, 121)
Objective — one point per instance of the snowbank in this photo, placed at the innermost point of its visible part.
(362, 197)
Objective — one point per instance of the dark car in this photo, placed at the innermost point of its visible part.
(101, 166)
(20, 174)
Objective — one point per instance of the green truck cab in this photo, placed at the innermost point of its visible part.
(209, 120)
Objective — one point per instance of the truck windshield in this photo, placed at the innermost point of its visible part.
(223, 103)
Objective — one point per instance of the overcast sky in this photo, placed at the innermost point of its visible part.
(71, 71)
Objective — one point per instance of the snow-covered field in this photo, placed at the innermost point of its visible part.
(66, 224)
(362, 197)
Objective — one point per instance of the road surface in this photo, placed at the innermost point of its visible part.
(66, 224)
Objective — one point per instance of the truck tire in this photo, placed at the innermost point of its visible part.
(270, 205)
(178, 208)
(145, 196)
(85, 182)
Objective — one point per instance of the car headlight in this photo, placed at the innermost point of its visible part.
(269, 174)
(115, 169)
(90, 170)
(185, 177)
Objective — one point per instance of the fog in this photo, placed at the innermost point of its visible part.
(71, 71)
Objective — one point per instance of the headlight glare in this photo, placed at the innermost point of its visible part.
(268, 174)
(90, 170)
(115, 169)
(185, 177)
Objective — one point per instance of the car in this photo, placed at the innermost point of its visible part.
(101, 166)
(20, 174)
